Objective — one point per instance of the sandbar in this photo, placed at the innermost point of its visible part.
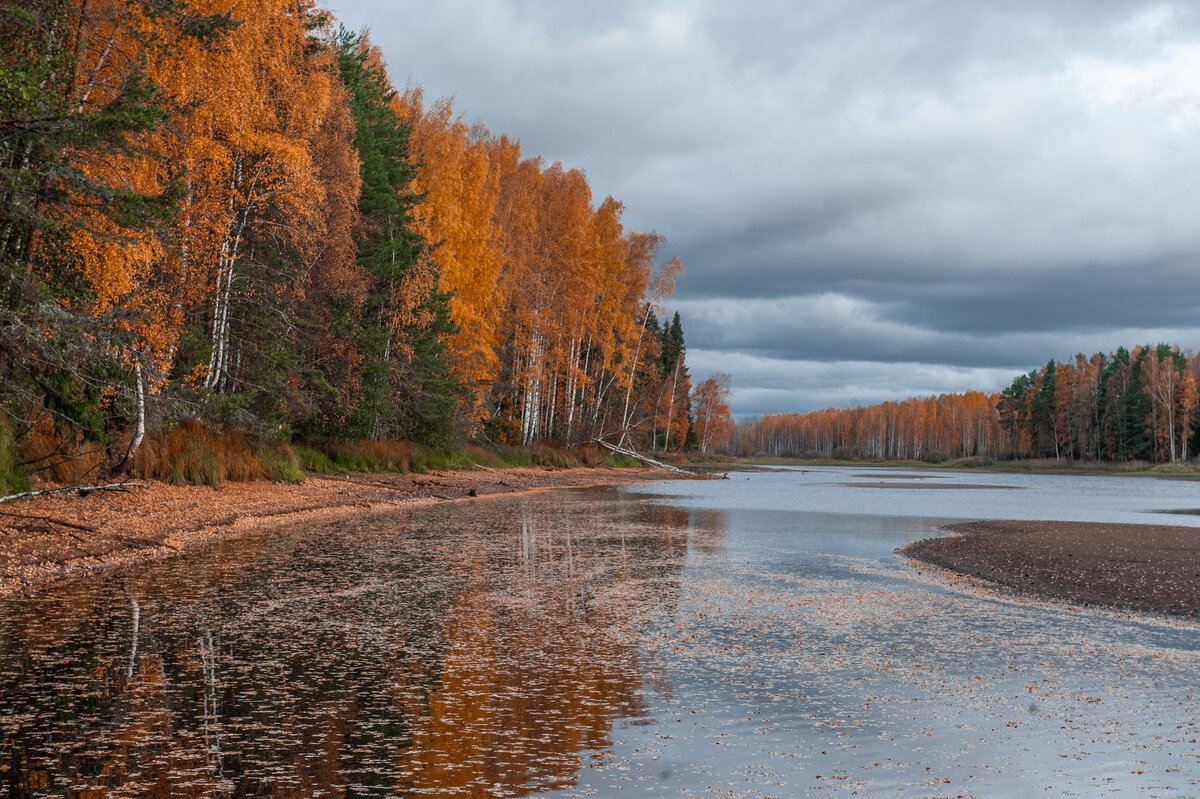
(1154, 568)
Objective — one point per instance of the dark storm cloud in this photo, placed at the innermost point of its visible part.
(871, 200)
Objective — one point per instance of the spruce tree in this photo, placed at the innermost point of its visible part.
(406, 389)
(1039, 419)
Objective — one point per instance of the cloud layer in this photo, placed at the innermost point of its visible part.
(870, 201)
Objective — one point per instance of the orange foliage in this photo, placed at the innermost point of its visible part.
(459, 191)
(549, 293)
(1081, 424)
(246, 152)
(957, 424)
(714, 422)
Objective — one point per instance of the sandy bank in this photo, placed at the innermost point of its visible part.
(50, 537)
(1152, 568)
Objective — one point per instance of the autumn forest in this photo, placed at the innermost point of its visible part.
(1128, 405)
(234, 248)
(224, 223)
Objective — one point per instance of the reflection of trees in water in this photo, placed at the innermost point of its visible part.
(542, 657)
(440, 650)
(93, 705)
(708, 530)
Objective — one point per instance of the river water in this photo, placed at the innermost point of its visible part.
(756, 636)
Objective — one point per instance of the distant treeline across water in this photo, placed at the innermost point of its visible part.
(1138, 404)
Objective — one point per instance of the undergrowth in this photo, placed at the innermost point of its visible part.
(188, 452)
(621, 461)
(13, 479)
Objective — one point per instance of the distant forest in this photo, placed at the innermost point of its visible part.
(226, 223)
(1128, 405)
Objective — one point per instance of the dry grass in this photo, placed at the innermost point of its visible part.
(545, 454)
(67, 459)
(189, 453)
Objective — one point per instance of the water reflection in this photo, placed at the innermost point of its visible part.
(732, 638)
(436, 652)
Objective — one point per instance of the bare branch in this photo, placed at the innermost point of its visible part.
(83, 489)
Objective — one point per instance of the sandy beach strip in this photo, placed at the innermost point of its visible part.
(57, 536)
(1143, 567)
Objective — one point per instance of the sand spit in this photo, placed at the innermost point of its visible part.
(1144, 567)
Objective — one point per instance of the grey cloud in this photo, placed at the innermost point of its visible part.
(979, 185)
(831, 328)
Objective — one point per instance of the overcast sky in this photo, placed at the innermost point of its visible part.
(872, 201)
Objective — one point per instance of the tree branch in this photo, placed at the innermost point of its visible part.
(121, 486)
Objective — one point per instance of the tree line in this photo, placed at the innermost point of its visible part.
(1128, 405)
(226, 212)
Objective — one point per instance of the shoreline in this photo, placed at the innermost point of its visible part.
(49, 538)
(1078, 469)
(1139, 567)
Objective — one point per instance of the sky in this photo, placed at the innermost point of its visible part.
(871, 200)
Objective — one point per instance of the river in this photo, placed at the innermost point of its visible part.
(756, 636)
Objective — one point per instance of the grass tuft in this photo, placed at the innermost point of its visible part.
(189, 453)
(282, 462)
(13, 479)
(621, 461)
(314, 461)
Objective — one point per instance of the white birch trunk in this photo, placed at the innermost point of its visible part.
(139, 432)
(572, 383)
(136, 614)
(632, 374)
(671, 404)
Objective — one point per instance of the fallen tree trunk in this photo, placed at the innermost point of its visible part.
(648, 461)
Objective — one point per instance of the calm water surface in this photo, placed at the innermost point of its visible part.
(750, 637)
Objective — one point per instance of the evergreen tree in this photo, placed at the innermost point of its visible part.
(1135, 407)
(1039, 418)
(676, 383)
(405, 383)
(1123, 406)
(672, 345)
(1012, 407)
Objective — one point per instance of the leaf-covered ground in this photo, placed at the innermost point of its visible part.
(52, 536)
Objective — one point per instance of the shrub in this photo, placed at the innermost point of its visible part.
(935, 456)
(13, 479)
(63, 458)
(974, 462)
(281, 462)
(313, 461)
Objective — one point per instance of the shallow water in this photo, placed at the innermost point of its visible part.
(750, 637)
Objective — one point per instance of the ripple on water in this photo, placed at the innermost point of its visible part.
(585, 643)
